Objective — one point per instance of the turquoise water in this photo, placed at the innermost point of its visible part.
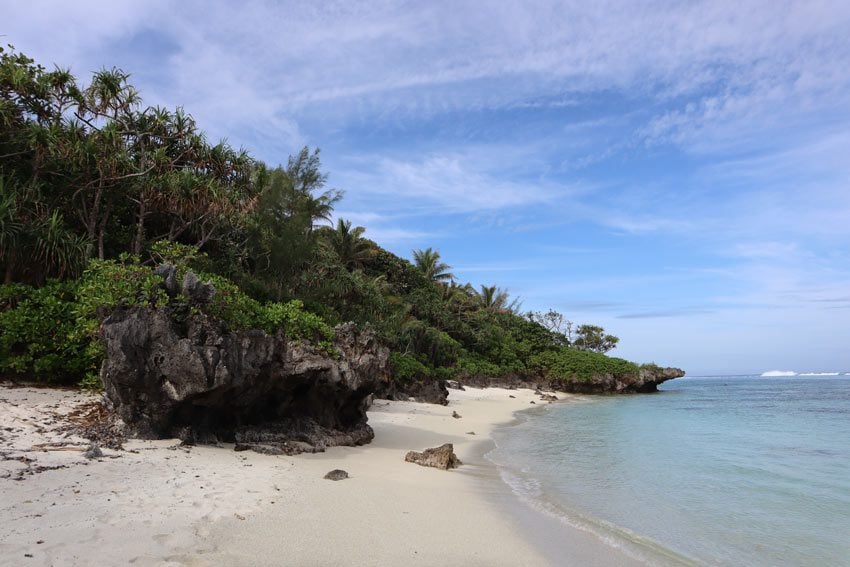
(717, 471)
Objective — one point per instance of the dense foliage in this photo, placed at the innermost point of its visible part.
(96, 190)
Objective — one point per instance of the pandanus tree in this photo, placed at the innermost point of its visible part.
(429, 263)
(35, 243)
(104, 166)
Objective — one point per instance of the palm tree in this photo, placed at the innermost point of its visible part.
(320, 207)
(348, 243)
(455, 291)
(494, 298)
(429, 263)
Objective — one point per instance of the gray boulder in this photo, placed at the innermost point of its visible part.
(442, 457)
(196, 291)
(168, 273)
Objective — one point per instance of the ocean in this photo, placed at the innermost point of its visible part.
(741, 470)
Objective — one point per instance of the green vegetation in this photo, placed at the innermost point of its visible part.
(96, 190)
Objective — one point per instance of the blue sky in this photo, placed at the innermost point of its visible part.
(678, 172)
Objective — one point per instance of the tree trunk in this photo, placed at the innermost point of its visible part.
(90, 220)
(102, 231)
(140, 228)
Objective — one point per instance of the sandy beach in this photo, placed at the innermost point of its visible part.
(160, 503)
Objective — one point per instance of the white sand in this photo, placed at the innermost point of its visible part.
(160, 504)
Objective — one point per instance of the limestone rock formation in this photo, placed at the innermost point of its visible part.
(264, 392)
(442, 457)
(646, 380)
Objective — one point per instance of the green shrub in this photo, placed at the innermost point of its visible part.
(571, 364)
(406, 367)
(106, 284)
(295, 322)
(166, 251)
(477, 366)
(231, 306)
(39, 336)
(50, 333)
(435, 346)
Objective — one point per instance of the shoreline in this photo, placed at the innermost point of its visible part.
(558, 540)
(556, 529)
(159, 503)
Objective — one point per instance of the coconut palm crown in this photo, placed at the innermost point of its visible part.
(429, 263)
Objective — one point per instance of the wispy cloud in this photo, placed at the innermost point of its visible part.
(741, 60)
(683, 312)
(454, 182)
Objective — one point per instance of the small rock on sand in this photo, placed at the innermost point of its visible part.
(337, 474)
(93, 452)
(456, 415)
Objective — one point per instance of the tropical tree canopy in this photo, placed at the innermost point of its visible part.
(352, 250)
(429, 263)
(496, 299)
(594, 339)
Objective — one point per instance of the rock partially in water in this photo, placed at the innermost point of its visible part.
(646, 380)
(264, 392)
(442, 457)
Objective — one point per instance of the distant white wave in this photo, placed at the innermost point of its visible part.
(774, 373)
(819, 374)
